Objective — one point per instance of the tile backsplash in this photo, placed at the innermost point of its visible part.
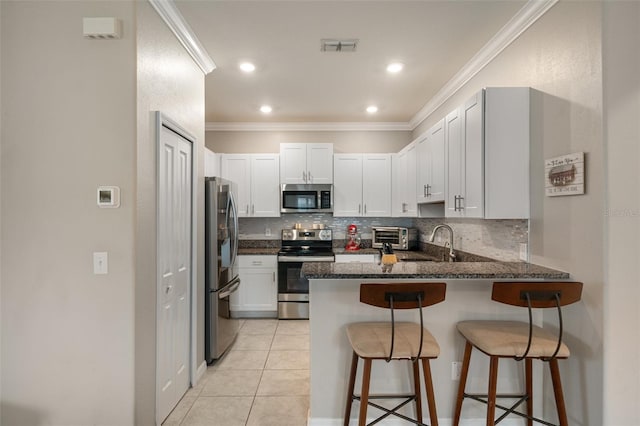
(497, 239)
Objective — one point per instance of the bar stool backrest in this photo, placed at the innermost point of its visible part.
(541, 294)
(405, 295)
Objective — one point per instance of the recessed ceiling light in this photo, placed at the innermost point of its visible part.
(372, 109)
(247, 67)
(395, 67)
(266, 109)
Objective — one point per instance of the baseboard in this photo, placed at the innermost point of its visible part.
(392, 422)
(202, 369)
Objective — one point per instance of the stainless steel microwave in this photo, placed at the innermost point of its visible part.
(309, 198)
(399, 238)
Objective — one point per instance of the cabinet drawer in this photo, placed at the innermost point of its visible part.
(257, 261)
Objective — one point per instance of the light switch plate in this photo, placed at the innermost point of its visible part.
(100, 263)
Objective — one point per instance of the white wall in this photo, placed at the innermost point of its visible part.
(168, 81)
(560, 57)
(621, 38)
(69, 109)
(344, 142)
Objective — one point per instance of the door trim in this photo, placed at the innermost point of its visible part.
(162, 120)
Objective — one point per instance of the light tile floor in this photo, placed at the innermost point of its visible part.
(263, 380)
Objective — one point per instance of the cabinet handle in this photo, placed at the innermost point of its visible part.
(253, 209)
(247, 209)
(424, 190)
(428, 188)
(304, 176)
(256, 262)
(404, 208)
(274, 277)
(457, 205)
(359, 208)
(309, 177)
(365, 209)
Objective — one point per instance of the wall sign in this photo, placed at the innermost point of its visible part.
(564, 175)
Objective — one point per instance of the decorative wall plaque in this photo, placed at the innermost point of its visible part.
(564, 175)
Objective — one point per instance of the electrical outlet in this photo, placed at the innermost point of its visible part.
(524, 253)
(456, 368)
(267, 232)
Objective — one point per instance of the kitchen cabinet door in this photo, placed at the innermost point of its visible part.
(257, 296)
(320, 163)
(454, 163)
(237, 168)
(347, 187)
(464, 188)
(403, 168)
(430, 160)
(376, 185)
(265, 190)
(306, 163)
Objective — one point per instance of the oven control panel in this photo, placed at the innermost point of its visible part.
(307, 235)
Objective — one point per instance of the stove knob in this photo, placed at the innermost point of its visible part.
(325, 234)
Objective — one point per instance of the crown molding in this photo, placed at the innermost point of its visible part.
(309, 126)
(522, 20)
(175, 21)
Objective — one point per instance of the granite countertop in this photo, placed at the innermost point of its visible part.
(431, 270)
(256, 251)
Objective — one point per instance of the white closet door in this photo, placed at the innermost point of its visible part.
(174, 263)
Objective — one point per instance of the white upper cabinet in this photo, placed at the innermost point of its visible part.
(362, 185)
(403, 196)
(430, 165)
(464, 186)
(257, 177)
(506, 152)
(487, 155)
(211, 163)
(306, 163)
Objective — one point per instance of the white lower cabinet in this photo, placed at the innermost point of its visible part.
(257, 296)
(355, 258)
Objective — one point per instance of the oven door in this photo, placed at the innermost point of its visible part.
(292, 285)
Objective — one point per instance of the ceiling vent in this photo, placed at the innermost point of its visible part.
(102, 28)
(338, 45)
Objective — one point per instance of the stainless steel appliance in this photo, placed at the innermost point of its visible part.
(311, 198)
(221, 271)
(399, 238)
(299, 246)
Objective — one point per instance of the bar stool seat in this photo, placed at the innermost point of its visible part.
(373, 340)
(510, 339)
(393, 341)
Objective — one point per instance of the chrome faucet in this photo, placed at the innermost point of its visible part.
(452, 255)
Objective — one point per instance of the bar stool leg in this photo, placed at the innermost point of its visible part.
(352, 384)
(491, 395)
(364, 395)
(416, 390)
(428, 385)
(557, 391)
(463, 383)
(529, 383)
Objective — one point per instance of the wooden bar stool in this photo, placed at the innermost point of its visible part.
(519, 341)
(394, 341)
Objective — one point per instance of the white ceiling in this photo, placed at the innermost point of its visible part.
(434, 39)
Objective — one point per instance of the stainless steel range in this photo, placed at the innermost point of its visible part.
(299, 246)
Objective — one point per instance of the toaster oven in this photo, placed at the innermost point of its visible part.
(399, 238)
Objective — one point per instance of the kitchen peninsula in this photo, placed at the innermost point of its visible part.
(335, 302)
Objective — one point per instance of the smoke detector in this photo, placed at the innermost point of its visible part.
(338, 45)
(102, 28)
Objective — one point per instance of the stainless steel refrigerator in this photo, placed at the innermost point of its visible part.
(221, 271)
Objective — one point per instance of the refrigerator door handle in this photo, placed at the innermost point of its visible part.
(234, 212)
(231, 288)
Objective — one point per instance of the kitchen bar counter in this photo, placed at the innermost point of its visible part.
(334, 302)
(432, 270)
